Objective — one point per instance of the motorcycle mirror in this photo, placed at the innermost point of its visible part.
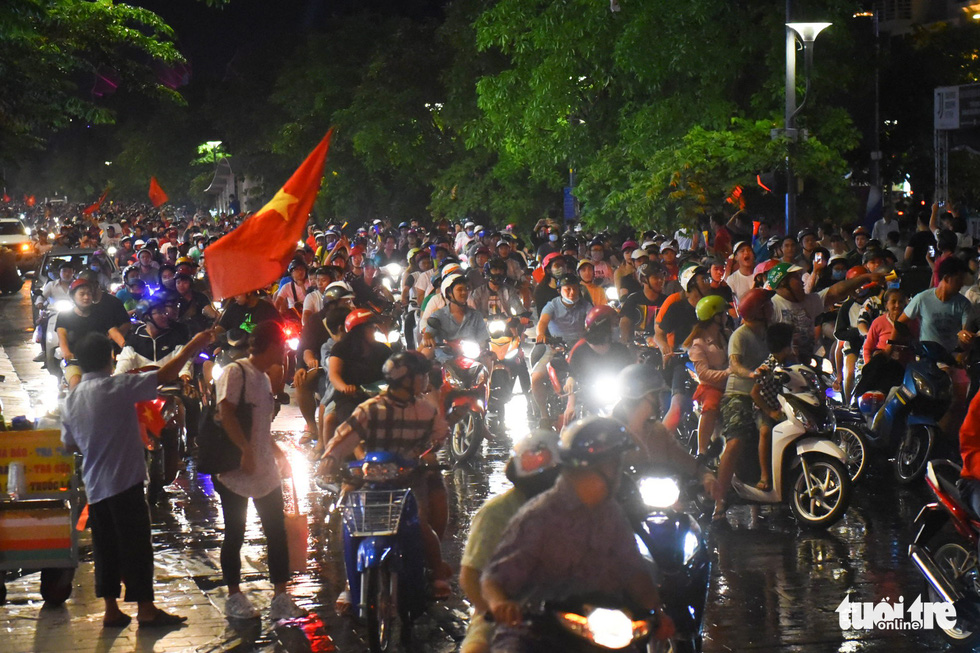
(433, 323)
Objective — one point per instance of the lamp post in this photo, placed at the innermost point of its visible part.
(807, 33)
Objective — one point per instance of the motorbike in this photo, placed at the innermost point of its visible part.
(809, 471)
(465, 395)
(166, 451)
(507, 365)
(948, 560)
(589, 624)
(558, 372)
(673, 540)
(383, 550)
(391, 279)
(906, 420)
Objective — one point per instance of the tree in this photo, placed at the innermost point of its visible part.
(55, 54)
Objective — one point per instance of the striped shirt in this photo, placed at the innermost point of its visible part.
(384, 423)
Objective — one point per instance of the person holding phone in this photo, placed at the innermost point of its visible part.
(944, 248)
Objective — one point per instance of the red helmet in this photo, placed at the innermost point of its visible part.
(765, 266)
(358, 317)
(79, 283)
(357, 249)
(549, 259)
(601, 317)
(755, 305)
(856, 271)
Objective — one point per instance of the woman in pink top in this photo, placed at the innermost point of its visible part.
(887, 327)
(708, 349)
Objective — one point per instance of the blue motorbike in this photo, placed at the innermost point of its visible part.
(674, 541)
(383, 550)
(908, 418)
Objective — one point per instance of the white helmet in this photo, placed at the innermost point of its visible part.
(448, 282)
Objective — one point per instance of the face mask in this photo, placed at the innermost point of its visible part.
(553, 237)
(469, 232)
(557, 271)
(837, 275)
(566, 301)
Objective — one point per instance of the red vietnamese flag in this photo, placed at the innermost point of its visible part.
(258, 251)
(31, 201)
(6, 198)
(92, 208)
(150, 416)
(157, 196)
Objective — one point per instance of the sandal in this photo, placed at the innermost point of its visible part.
(308, 436)
(163, 620)
(765, 486)
(121, 621)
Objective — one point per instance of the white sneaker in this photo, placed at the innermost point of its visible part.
(283, 607)
(239, 607)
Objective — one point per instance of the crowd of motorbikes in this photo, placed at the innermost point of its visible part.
(820, 449)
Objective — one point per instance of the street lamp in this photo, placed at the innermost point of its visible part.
(807, 33)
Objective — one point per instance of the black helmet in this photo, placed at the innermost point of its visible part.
(637, 380)
(405, 364)
(157, 300)
(592, 440)
(296, 263)
(652, 269)
(569, 280)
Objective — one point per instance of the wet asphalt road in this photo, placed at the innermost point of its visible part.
(773, 587)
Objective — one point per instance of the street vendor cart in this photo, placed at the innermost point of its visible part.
(38, 523)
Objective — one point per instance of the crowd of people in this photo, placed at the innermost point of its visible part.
(737, 298)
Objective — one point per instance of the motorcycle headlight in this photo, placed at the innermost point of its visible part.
(691, 545)
(393, 270)
(659, 492)
(497, 328)
(375, 472)
(114, 288)
(393, 337)
(216, 372)
(603, 627)
(112, 251)
(921, 386)
(606, 391)
(612, 294)
(469, 349)
(804, 418)
(63, 306)
(386, 282)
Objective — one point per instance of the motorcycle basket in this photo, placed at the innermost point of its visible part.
(373, 512)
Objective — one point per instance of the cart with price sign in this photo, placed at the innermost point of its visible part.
(37, 524)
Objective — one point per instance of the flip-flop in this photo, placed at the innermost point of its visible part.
(121, 621)
(163, 620)
(765, 486)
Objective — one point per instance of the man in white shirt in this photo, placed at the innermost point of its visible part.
(313, 302)
(884, 226)
(742, 278)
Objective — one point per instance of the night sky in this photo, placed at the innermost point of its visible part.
(210, 38)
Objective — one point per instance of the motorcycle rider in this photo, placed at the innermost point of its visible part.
(456, 320)
(639, 409)
(157, 339)
(708, 349)
(596, 356)
(57, 289)
(149, 269)
(496, 296)
(194, 309)
(532, 468)
(314, 298)
(73, 325)
(850, 339)
(291, 294)
(602, 558)
(554, 268)
(639, 311)
(747, 351)
(357, 360)
(674, 323)
(586, 272)
(562, 317)
(401, 421)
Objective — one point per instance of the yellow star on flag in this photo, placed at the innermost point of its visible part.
(280, 204)
(148, 413)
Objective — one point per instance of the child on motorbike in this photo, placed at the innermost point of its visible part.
(708, 349)
(402, 422)
(766, 391)
(532, 468)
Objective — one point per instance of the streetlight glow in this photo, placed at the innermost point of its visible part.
(808, 31)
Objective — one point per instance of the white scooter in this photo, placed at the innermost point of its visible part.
(809, 471)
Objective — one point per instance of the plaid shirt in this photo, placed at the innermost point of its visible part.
(768, 386)
(383, 423)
